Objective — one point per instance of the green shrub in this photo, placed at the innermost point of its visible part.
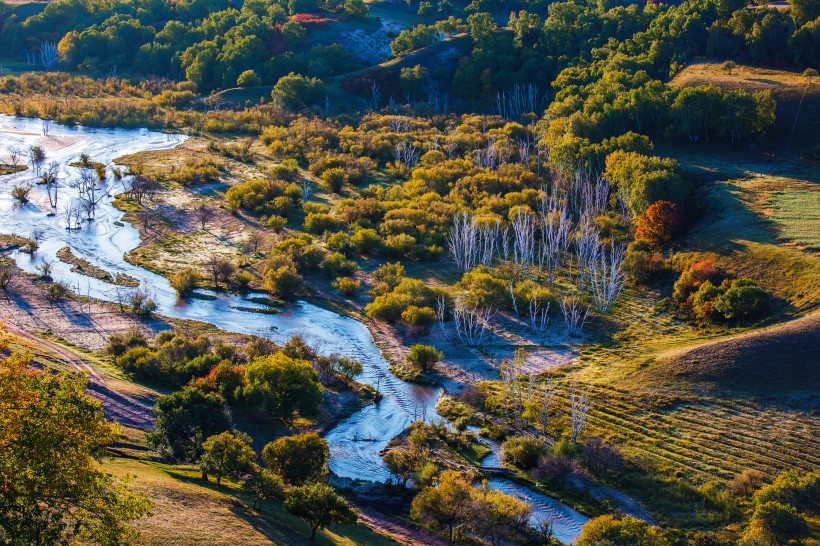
(347, 286)
(318, 223)
(336, 265)
(419, 318)
(248, 79)
(424, 357)
(744, 299)
(522, 451)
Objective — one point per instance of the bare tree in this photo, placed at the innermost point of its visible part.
(471, 322)
(49, 55)
(142, 189)
(574, 316)
(513, 392)
(219, 267)
(87, 191)
(523, 227)
(608, 276)
(7, 277)
(70, 215)
(37, 236)
(203, 214)
(547, 393)
(375, 95)
(36, 158)
(15, 155)
(306, 189)
(49, 179)
(406, 154)
(253, 241)
(579, 407)
(46, 127)
(441, 315)
(462, 241)
(539, 316)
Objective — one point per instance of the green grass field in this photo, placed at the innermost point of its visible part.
(797, 215)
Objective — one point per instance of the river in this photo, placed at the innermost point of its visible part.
(355, 443)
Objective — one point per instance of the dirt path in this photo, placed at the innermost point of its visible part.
(399, 531)
(126, 410)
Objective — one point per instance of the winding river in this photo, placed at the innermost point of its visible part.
(355, 443)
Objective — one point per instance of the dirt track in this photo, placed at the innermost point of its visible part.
(26, 312)
(126, 410)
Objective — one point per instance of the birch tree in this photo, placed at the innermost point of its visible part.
(579, 407)
(608, 276)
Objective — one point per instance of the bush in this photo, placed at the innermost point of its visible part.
(552, 469)
(522, 451)
(284, 281)
(336, 265)
(318, 223)
(20, 193)
(366, 240)
(658, 224)
(424, 357)
(118, 344)
(566, 447)
(774, 524)
(347, 286)
(625, 531)
(297, 91)
(419, 319)
(248, 79)
(276, 223)
(743, 300)
(184, 281)
(600, 457)
(335, 178)
(282, 385)
(641, 262)
(340, 242)
(791, 487)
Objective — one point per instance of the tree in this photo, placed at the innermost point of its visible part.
(319, 505)
(226, 454)
(297, 91)
(299, 459)
(803, 11)
(728, 66)
(264, 484)
(499, 517)
(204, 214)
(447, 506)
(356, 9)
(184, 281)
(281, 385)
(743, 299)
(185, 419)
(658, 224)
(248, 79)
(626, 531)
(810, 73)
(774, 523)
(52, 436)
(522, 451)
(219, 267)
(424, 357)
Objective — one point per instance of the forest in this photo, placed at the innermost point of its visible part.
(379, 272)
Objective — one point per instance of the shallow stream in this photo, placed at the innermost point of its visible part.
(355, 443)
